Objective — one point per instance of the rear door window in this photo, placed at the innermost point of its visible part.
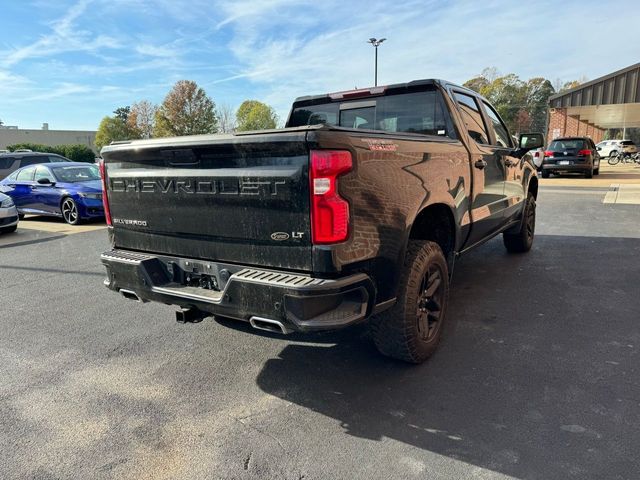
(26, 175)
(472, 117)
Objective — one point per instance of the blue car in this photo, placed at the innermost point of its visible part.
(70, 190)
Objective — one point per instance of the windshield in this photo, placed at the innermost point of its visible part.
(76, 173)
(419, 112)
(570, 144)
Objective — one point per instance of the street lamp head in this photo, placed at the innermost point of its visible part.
(375, 42)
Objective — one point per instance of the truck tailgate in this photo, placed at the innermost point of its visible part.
(239, 199)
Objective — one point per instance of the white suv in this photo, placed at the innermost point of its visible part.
(610, 147)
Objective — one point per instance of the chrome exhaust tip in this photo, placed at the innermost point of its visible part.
(130, 294)
(269, 325)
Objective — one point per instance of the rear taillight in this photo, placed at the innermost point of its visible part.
(329, 211)
(584, 153)
(105, 199)
(548, 153)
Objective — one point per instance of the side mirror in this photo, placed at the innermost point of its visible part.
(598, 148)
(45, 181)
(531, 141)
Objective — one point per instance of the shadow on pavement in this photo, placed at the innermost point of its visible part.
(52, 270)
(536, 378)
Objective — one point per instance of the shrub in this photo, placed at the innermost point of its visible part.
(77, 153)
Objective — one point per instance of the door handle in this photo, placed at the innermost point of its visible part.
(480, 164)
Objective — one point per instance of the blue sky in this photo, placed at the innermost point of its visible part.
(69, 63)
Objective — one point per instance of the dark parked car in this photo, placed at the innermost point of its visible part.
(70, 190)
(10, 162)
(571, 154)
(356, 211)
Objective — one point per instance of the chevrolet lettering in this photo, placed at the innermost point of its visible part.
(199, 186)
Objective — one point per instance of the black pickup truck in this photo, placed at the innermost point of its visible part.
(355, 211)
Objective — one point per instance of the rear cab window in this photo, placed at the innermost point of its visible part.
(472, 117)
(421, 112)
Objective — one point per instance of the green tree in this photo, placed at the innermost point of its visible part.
(255, 115)
(477, 84)
(186, 110)
(538, 91)
(507, 95)
(141, 118)
(522, 105)
(118, 127)
(122, 113)
(111, 129)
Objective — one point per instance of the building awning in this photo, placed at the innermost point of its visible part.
(611, 101)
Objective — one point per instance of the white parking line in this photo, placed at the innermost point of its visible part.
(628, 194)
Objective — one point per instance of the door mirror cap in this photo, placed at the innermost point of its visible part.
(531, 141)
(598, 148)
(45, 181)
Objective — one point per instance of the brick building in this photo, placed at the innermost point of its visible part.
(612, 101)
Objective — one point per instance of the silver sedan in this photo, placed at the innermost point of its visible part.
(8, 214)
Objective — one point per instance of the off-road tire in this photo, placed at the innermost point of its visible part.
(522, 240)
(405, 331)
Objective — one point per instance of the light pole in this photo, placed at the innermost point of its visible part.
(376, 43)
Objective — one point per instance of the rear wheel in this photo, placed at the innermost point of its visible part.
(522, 240)
(588, 173)
(613, 158)
(412, 328)
(70, 212)
(545, 173)
(596, 171)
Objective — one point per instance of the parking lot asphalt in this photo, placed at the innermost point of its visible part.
(538, 375)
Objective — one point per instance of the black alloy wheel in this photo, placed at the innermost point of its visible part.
(430, 296)
(70, 211)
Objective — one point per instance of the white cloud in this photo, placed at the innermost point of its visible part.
(63, 37)
(161, 51)
(239, 10)
(319, 47)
